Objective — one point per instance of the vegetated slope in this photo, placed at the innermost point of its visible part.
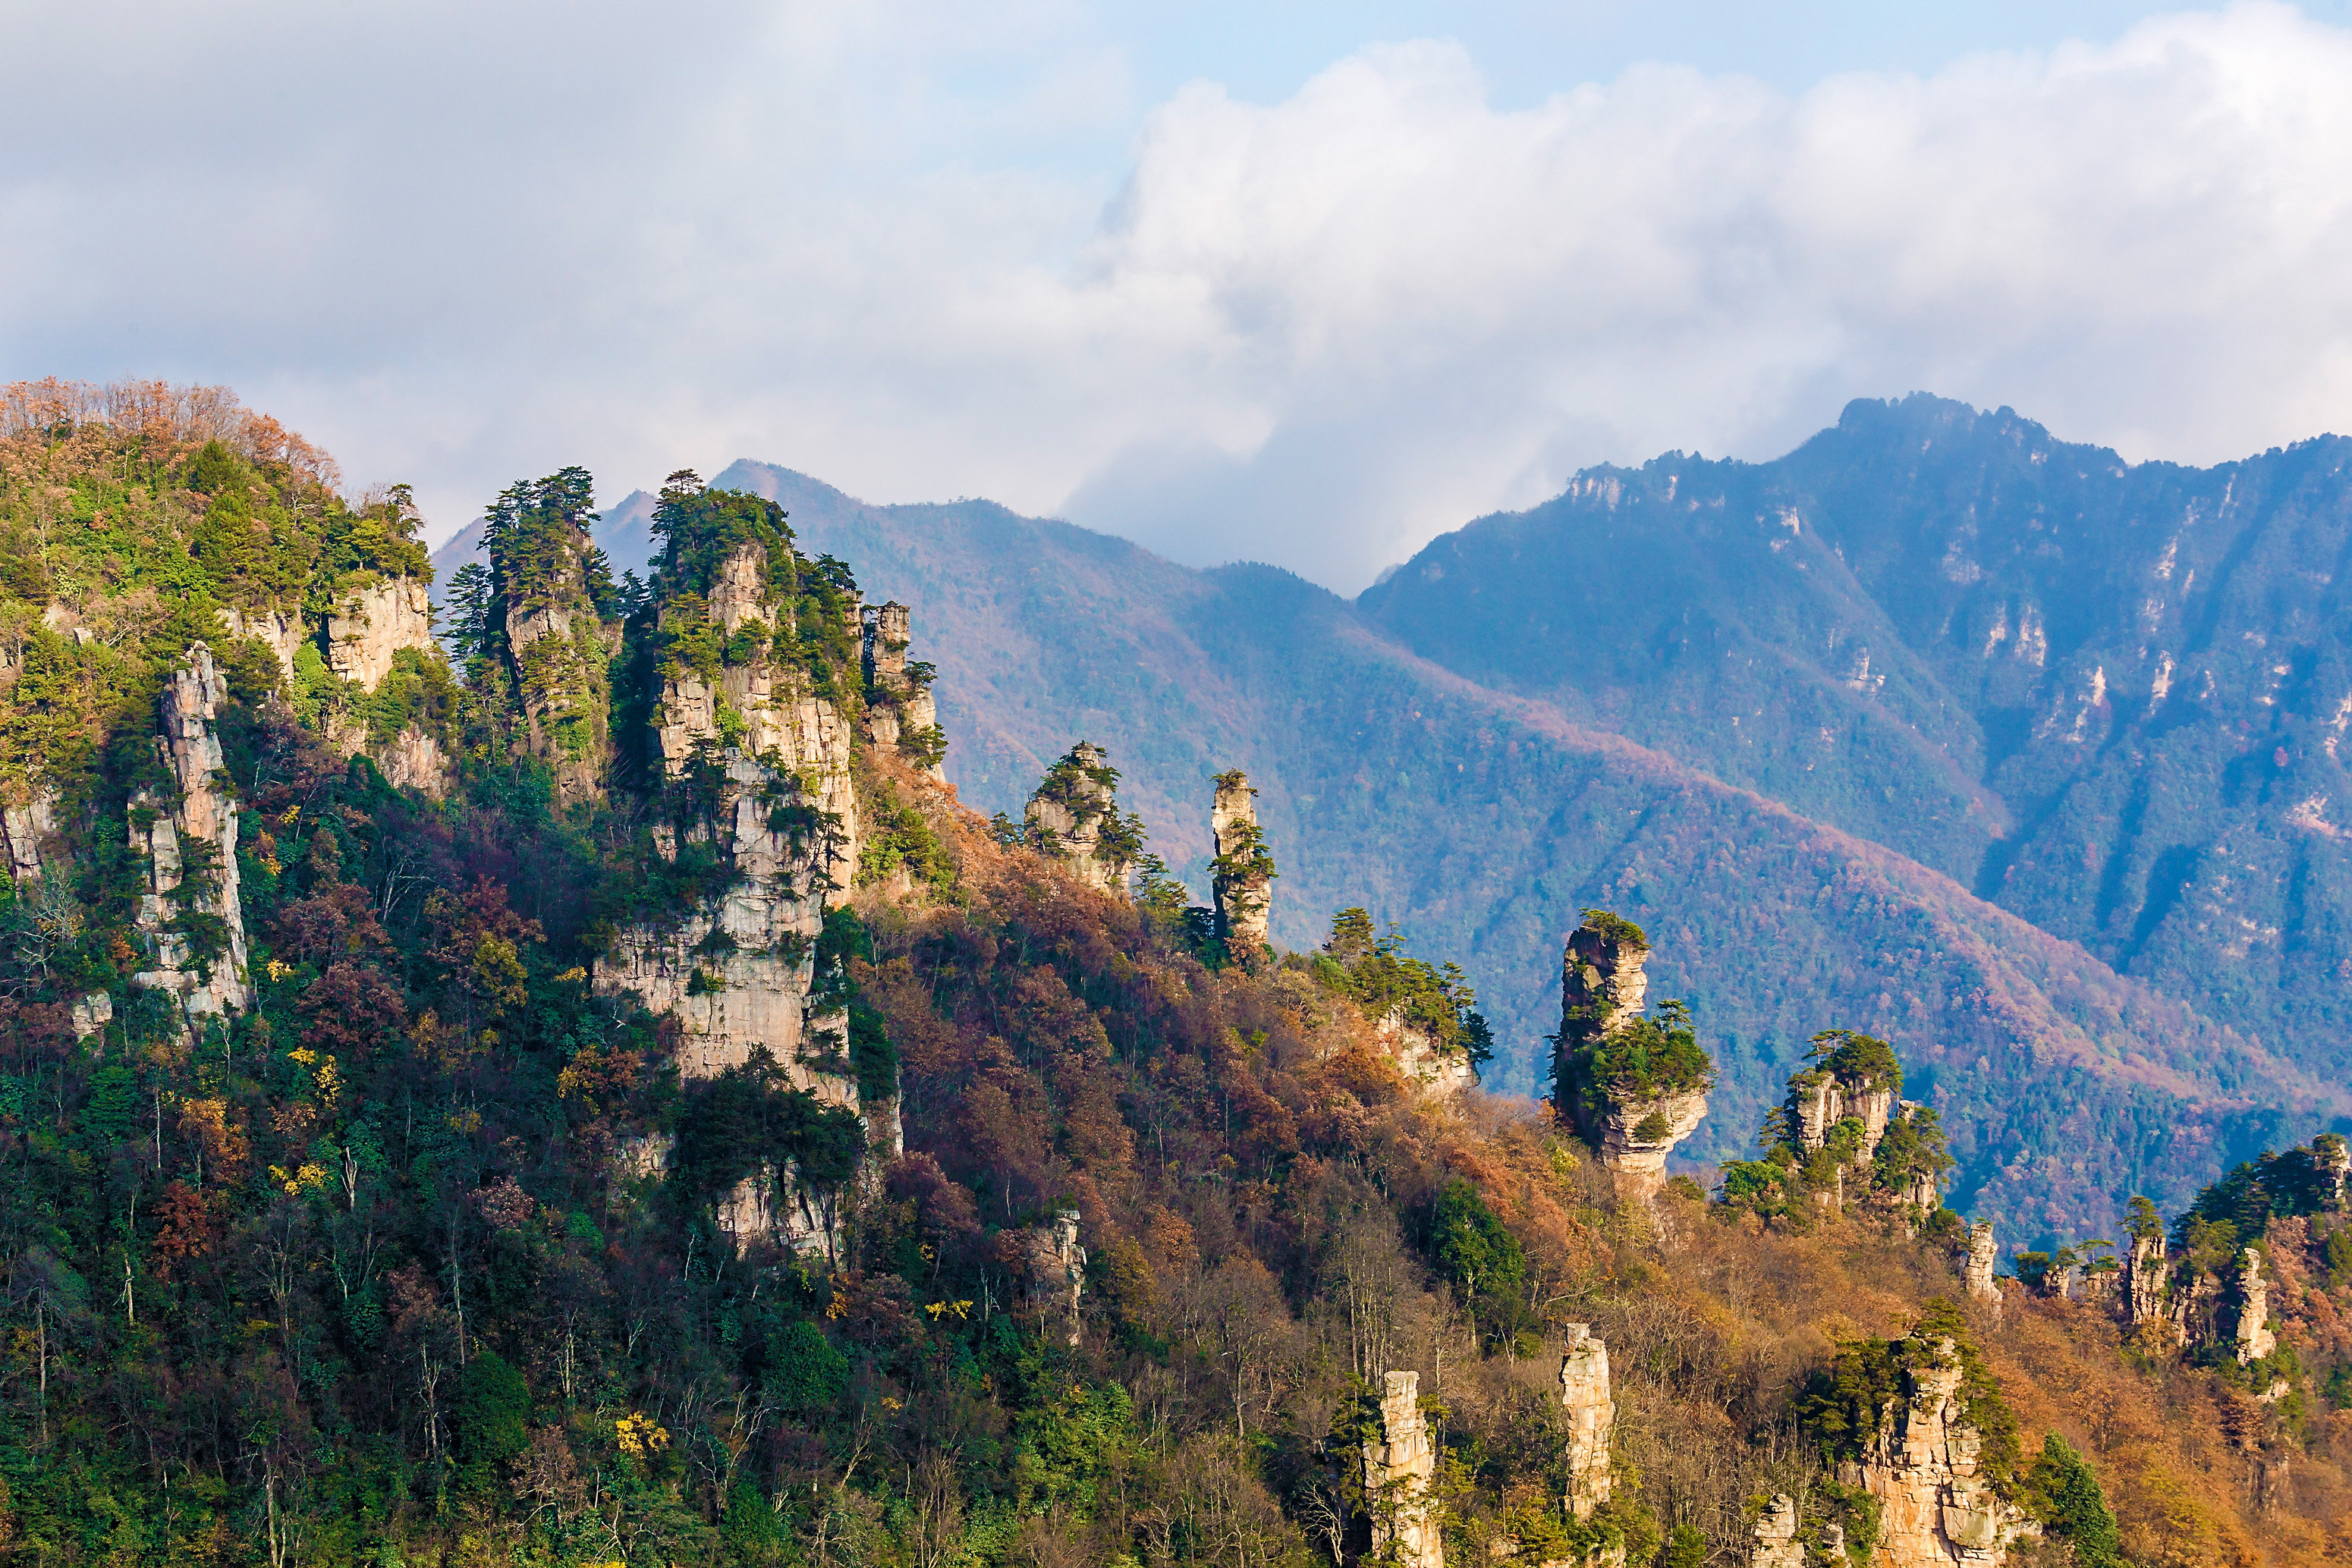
(2109, 698)
(1485, 823)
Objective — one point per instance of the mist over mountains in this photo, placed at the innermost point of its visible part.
(1938, 727)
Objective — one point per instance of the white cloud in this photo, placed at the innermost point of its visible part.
(873, 242)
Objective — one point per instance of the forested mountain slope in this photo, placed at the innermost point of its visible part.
(2108, 697)
(602, 1099)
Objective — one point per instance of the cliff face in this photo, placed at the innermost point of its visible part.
(1398, 1465)
(283, 631)
(373, 623)
(1922, 1466)
(190, 913)
(758, 772)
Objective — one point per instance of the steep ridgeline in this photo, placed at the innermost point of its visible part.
(712, 1143)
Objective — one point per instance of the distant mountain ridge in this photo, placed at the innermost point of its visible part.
(1729, 701)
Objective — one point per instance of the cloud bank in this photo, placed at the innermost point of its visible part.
(1315, 332)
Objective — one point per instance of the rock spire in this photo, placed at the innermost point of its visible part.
(1242, 872)
(1398, 1465)
(1592, 1419)
(1074, 815)
(1632, 1086)
(900, 710)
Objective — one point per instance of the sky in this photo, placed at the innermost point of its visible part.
(1307, 282)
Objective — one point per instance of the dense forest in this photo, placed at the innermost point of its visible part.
(390, 1188)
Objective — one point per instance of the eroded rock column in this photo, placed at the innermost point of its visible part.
(1074, 814)
(1398, 1465)
(1982, 1257)
(190, 913)
(1602, 988)
(1242, 875)
(1937, 1509)
(1592, 1419)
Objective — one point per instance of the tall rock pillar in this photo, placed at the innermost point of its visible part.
(190, 844)
(1591, 1418)
(901, 711)
(1398, 1465)
(1981, 1258)
(1632, 1116)
(1242, 872)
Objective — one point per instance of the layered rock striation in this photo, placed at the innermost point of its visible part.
(189, 912)
(1398, 1463)
(1922, 1465)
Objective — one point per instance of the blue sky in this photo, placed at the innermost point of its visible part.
(1305, 283)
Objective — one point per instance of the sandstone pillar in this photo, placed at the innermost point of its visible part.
(1398, 1465)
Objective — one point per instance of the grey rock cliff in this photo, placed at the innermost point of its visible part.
(373, 623)
(189, 842)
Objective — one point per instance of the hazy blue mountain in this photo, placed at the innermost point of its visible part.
(2107, 696)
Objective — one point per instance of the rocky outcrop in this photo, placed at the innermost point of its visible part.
(1591, 1418)
(766, 716)
(372, 624)
(1441, 1073)
(759, 771)
(1398, 1465)
(92, 1014)
(1632, 1124)
(190, 914)
(413, 759)
(736, 973)
(1982, 1257)
(1055, 1266)
(560, 647)
(29, 824)
(282, 631)
(2147, 1282)
(1241, 874)
(1820, 1100)
(1923, 1467)
(901, 712)
(2332, 1156)
(1074, 816)
(2252, 1330)
(1776, 1543)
